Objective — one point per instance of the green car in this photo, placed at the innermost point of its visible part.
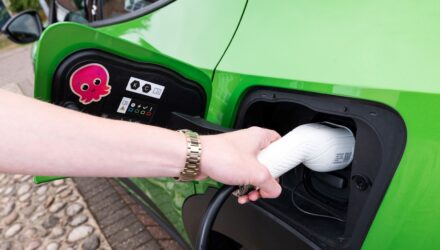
(216, 65)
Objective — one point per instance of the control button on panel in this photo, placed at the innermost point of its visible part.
(135, 84)
(145, 88)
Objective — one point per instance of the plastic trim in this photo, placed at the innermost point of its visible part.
(132, 15)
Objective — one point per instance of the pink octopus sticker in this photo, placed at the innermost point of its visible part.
(90, 83)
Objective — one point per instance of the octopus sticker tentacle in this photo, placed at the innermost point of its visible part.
(90, 83)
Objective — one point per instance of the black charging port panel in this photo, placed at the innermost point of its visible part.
(336, 209)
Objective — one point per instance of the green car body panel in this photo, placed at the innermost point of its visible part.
(388, 52)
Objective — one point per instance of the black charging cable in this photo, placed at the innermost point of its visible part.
(211, 213)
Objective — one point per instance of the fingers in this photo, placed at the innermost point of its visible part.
(252, 196)
(268, 187)
(272, 135)
(243, 199)
(267, 136)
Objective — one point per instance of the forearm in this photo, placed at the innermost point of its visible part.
(41, 139)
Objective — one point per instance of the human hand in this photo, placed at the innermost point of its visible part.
(231, 158)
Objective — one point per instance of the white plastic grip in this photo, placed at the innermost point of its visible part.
(322, 147)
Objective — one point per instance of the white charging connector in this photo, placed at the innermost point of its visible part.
(322, 147)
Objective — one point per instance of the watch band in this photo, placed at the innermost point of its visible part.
(193, 156)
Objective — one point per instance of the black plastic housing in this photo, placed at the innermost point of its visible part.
(348, 198)
(179, 94)
(323, 210)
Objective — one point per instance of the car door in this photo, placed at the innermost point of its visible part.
(154, 62)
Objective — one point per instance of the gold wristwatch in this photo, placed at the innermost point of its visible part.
(193, 156)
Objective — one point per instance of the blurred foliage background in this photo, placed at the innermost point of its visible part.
(20, 5)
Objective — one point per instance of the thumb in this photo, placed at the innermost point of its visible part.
(269, 136)
(268, 186)
(270, 189)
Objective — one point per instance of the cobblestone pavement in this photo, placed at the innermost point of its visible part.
(128, 226)
(59, 216)
(50, 216)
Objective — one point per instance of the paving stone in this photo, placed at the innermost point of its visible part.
(53, 246)
(169, 245)
(102, 196)
(30, 233)
(24, 197)
(33, 245)
(79, 233)
(89, 188)
(74, 209)
(8, 208)
(88, 184)
(78, 220)
(41, 232)
(27, 212)
(42, 190)
(8, 220)
(96, 191)
(13, 230)
(17, 176)
(158, 233)
(49, 202)
(119, 225)
(5, 199)
(25, 178)
(73, 198)
(5, 245)
(146, 220)
(66, 193)
(135, 241)
(109, 211)
(54, 208)
(126, 233)
(127, 199)
(41, 198)
(26, 204)
(105, 203)
(137, 209)
(37, 216)
(23, 189)
(61, 189)
(57, 232)
(9, 190)
(57, 183)
(151, 245)
(50, 222)
(121, 213)
(91, 243)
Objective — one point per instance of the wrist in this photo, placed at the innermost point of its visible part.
(206, 141)
(191, 169)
